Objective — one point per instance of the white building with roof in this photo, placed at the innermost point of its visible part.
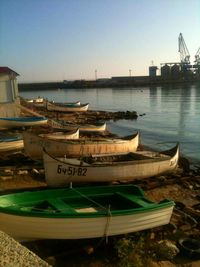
(9, 95)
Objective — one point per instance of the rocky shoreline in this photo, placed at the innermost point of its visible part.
(152, 248)
(90, 116)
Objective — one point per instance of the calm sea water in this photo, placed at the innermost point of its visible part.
(168, 114)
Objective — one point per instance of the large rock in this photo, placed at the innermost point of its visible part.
(165, 249)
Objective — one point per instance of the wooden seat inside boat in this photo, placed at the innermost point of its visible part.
(52, 205)
(140, 202)
(60, 205)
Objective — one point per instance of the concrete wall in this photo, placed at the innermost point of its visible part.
(10, 109)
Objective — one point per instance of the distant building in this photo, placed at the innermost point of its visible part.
(153, 71)
(9, 95)
(130, 80)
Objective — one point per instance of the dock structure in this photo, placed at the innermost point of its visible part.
(14, 254)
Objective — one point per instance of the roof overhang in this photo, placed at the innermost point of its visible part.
(6, 70)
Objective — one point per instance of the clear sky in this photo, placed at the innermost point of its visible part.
(52, 40)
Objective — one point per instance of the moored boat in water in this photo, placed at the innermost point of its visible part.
(77, 213)
(108, 168)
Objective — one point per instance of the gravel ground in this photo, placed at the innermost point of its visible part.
(13, 254)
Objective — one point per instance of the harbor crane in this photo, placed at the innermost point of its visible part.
(182, 48)
(197, 57)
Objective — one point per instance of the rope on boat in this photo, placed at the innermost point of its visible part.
(107, 224)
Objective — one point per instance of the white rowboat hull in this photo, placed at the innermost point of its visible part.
(11, 146)
(61, 171)
(72, 135)
(25, 227)
(34, 144)
(59, 108)
(42, 104)
(8, 123)
(82, 128)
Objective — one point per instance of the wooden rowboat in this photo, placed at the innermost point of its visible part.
(36, 100)
(116, 167)
(98, 127)
(9, 144)
(77, 103)
(77, 213)
(43, 103)
(7, 123)
(34, 144)
(66, 108)
(71, 135)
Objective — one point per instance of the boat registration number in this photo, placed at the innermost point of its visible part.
(71, 171)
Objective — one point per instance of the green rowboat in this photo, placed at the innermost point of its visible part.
(84, 212)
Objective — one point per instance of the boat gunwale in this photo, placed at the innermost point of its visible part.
(110, 164)
(10, 139)
(59, 133)
(128, 138)
(150, 207)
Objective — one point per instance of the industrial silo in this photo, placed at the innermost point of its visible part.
(165, 71)
(175, 71)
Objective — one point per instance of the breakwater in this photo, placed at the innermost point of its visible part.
(105, 83)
